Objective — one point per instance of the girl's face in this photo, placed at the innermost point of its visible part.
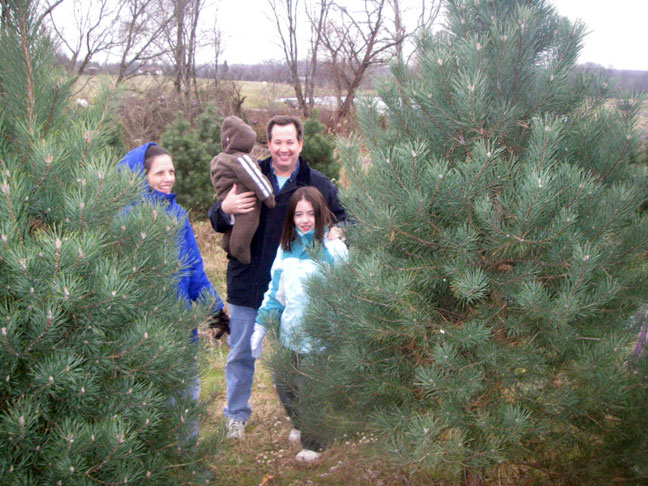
(304, 216)
(161, 175)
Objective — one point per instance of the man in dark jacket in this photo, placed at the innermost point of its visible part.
(246, 283)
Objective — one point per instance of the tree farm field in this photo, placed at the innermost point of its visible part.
(265, 456)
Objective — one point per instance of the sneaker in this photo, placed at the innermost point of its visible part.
(306, 455)
(235, 428)
(294, 437)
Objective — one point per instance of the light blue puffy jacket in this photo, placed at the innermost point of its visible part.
(286, 295)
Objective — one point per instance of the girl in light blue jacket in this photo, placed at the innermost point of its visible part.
(306, 226)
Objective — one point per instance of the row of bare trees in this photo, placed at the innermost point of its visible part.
(135, 33)
(348, 37)
(341, 39)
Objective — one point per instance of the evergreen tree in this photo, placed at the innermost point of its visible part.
(208, 124)
(193, 149)
(94, 346)
(498, 251)
(319, 148)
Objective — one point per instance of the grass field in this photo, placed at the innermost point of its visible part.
(257, 94)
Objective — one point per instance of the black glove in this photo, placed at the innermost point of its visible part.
(220, 324)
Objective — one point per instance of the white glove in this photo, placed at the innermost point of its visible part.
(256, 340)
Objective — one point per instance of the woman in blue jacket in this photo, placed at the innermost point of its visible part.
(156, 165)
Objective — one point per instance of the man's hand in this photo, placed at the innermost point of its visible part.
(238, 203)
(335, 233)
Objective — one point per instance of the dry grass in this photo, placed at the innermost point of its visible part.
(257, 94)
(642, 125)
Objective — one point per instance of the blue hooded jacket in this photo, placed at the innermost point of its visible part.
(194, 280)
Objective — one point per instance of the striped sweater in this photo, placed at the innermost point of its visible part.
(234, 166)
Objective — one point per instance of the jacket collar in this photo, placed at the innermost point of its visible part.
(306, 239)
(161, 196)
(303, 170)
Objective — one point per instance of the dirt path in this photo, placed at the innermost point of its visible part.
(265, 456)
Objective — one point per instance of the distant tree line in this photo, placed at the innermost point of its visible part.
(328, 45)
(275, 72)
(624, 80)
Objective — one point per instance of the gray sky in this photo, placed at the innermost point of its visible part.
(618, 32)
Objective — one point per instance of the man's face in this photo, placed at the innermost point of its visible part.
(284, 149)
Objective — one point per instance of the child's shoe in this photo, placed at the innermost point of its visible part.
(294, 437)
(236, 428)
(306, 455)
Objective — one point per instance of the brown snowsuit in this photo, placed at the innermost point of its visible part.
(234, 166)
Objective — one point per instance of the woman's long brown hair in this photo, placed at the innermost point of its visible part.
(323, 216)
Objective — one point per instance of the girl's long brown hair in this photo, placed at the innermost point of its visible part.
(323, 216)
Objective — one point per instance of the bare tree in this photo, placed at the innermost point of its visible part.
(85, 30)
(355, 40)
(216, 44)
(358, 38)
(141, 25)
(104, 29)
(286, 16)
(182, 37)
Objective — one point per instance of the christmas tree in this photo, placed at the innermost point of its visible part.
(95, 348)
(497, 252)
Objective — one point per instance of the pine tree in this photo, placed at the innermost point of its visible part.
(319, 147)
(497, 253)
(94, 347)
(193, 149)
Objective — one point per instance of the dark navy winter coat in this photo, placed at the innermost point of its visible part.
(193, 280)
(246, 284)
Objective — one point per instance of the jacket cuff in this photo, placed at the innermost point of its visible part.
(220, 221)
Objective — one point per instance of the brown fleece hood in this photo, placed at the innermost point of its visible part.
(236, 136)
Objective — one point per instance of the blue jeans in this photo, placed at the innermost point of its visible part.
(239, 369)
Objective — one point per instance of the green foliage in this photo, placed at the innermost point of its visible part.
(94, 344)
(498, 250)
(319, 148)
(192, 150)
(209, 130)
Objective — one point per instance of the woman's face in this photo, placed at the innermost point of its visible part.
(304, 216)
(161, 175)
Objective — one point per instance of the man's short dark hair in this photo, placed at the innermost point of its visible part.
(282, 121)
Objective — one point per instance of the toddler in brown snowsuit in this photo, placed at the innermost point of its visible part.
(234, 166)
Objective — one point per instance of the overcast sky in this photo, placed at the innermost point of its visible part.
(618, 31)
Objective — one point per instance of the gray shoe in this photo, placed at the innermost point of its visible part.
(235, 428)
(306, 455)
